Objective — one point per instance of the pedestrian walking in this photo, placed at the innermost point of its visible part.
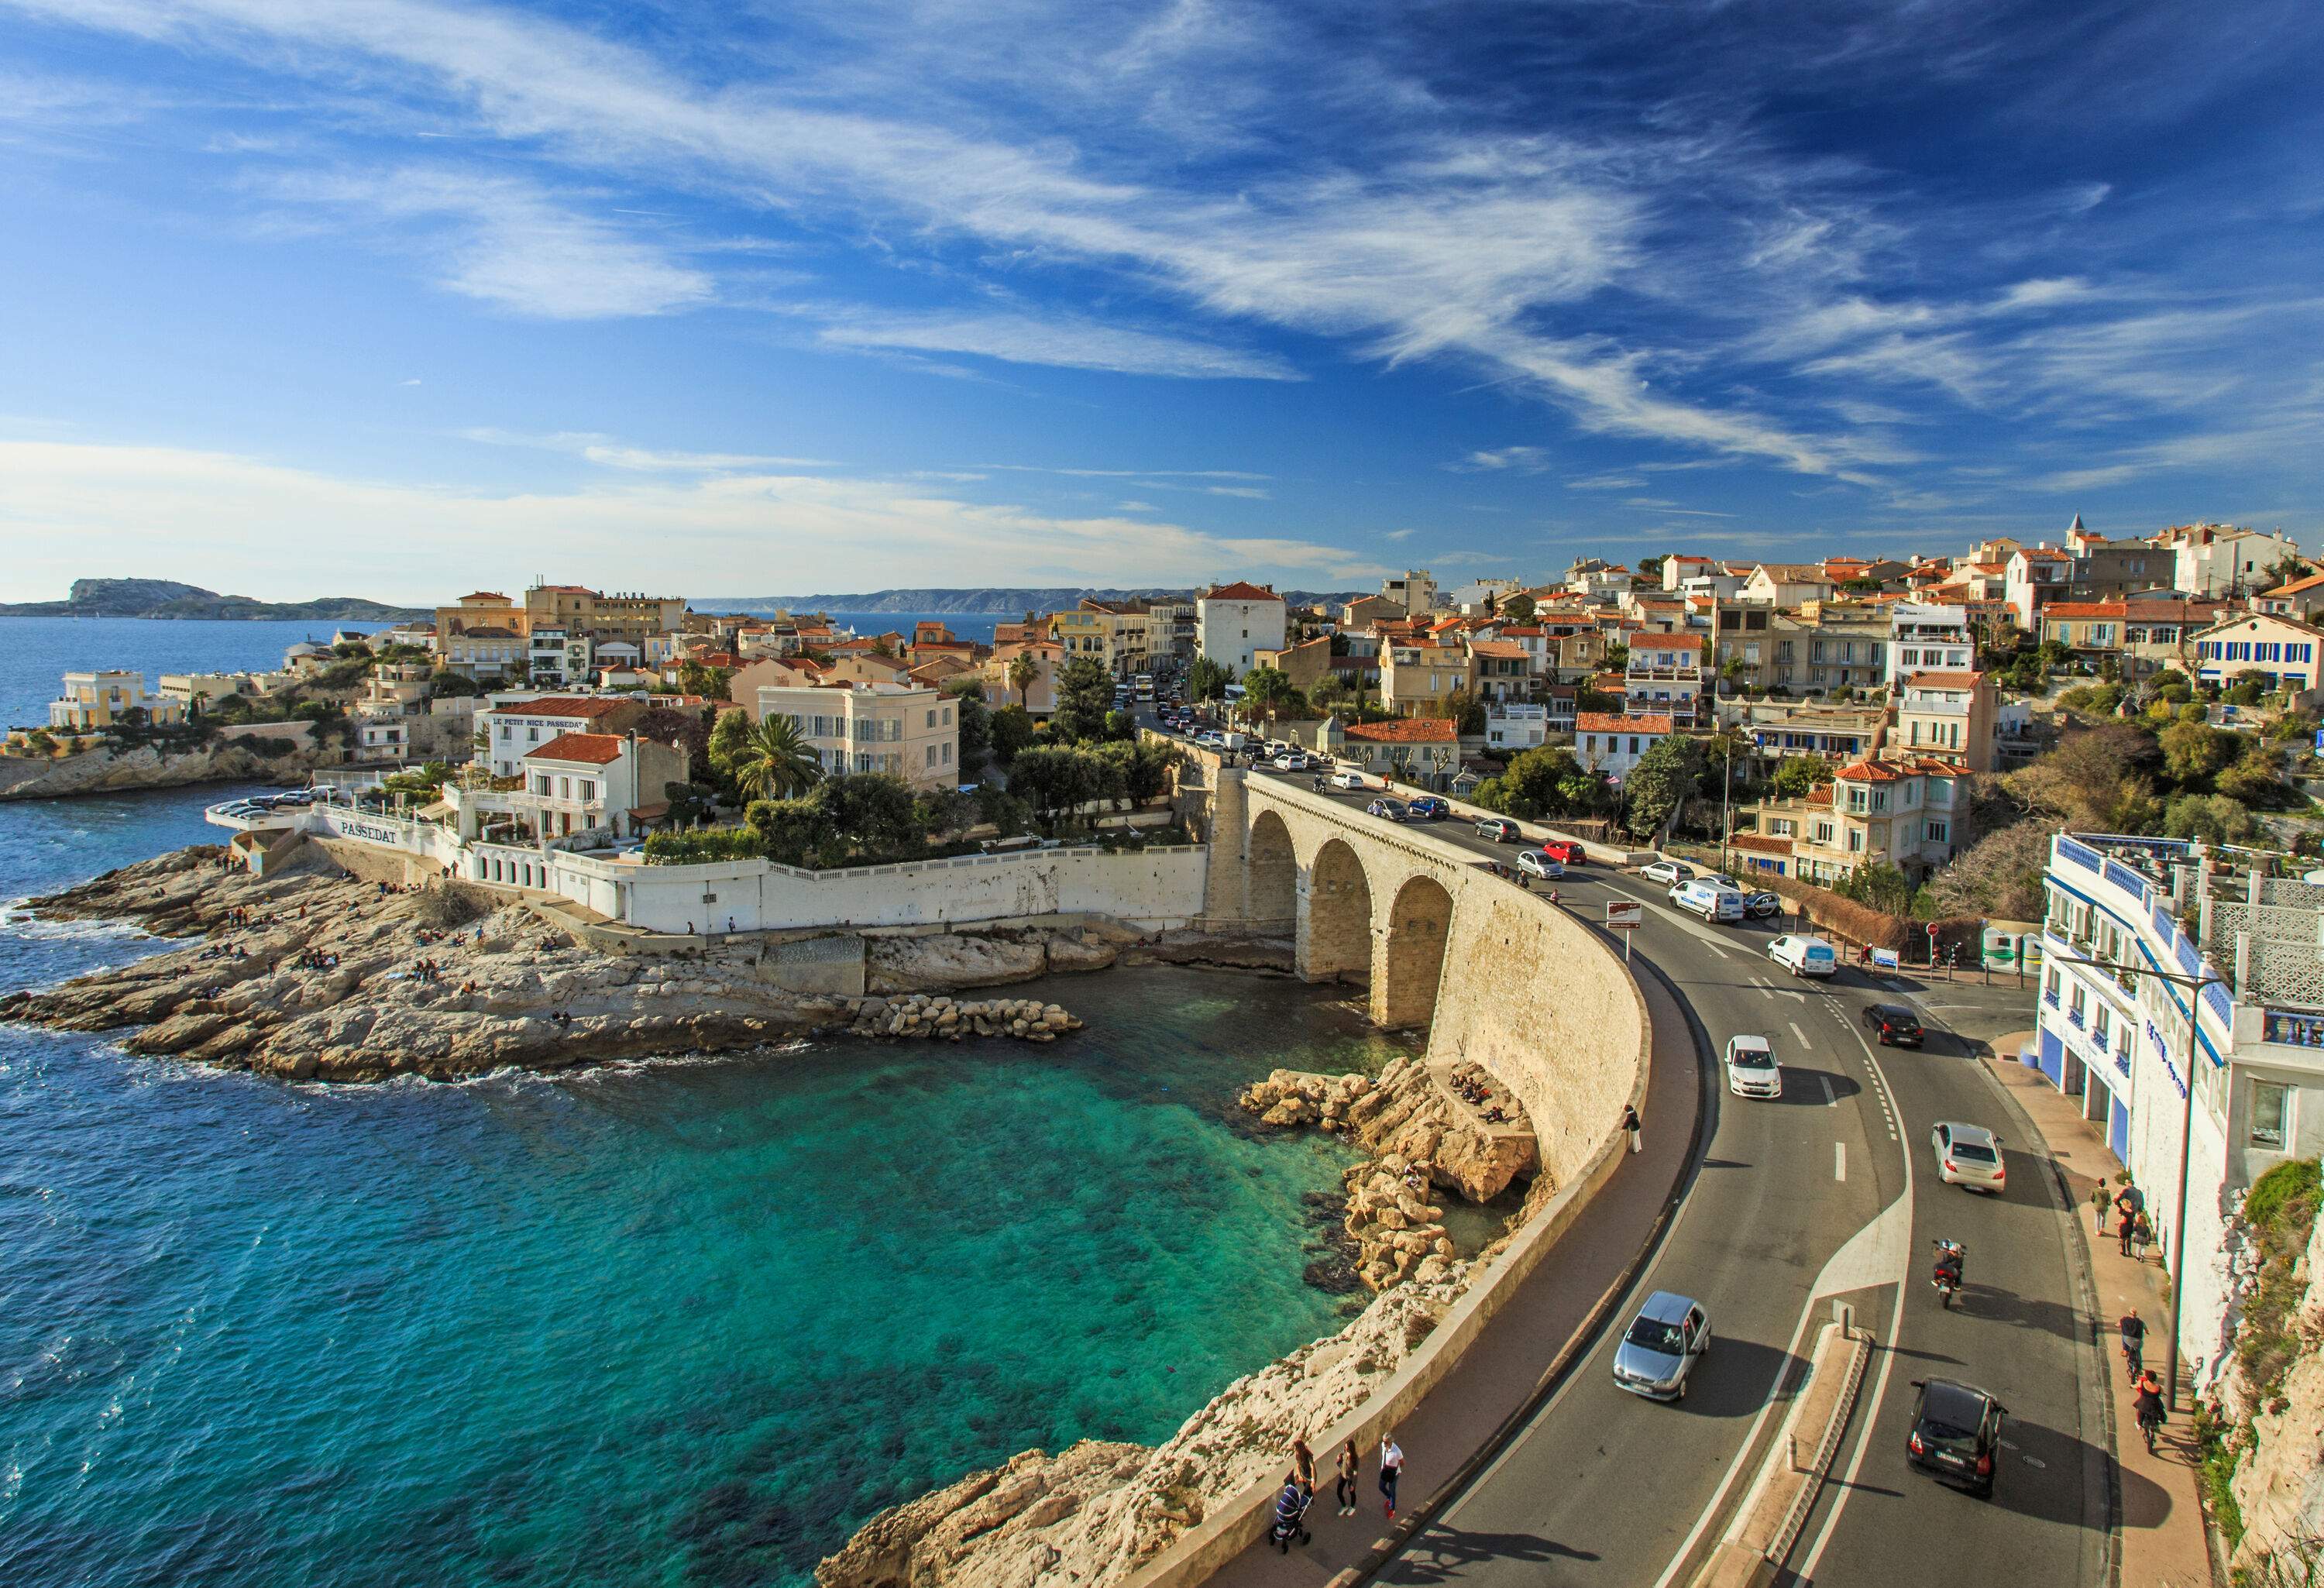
(1633, 1128)
(1303, 1467)
(2123, 1229)
(1351, 1464)
(1391, 1469)
(2142, 1233)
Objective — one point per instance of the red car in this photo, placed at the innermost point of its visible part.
(1559, 850)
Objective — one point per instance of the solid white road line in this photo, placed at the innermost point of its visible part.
(1803, 1035)
(1839, 1153)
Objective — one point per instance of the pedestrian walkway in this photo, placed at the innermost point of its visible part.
(1524, 1343)
(2163, 1542)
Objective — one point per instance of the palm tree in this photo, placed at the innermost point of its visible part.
(1022, 673)
(776, 762)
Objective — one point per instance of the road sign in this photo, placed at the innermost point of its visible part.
(1885, 959)
(1931, 931)
(1622, 915)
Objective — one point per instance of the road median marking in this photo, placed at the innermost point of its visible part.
(1838, 1154)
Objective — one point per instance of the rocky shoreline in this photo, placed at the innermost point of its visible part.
(314, 975)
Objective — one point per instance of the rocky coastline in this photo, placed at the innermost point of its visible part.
(311, 974)
(105, 770)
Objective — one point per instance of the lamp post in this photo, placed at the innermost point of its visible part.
(2177, 1248)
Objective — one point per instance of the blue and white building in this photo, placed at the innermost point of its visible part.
(2121, 1042)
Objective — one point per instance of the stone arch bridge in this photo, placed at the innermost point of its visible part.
(1495, 973)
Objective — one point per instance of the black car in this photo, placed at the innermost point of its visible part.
(1956, 1434)
(1894, 1024)
(1762, 905)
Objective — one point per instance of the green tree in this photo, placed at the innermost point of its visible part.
(1650, 571)
(1518, 609)
(1144, 765)
(709, 682)
(1617, 658)
(775, 761)
(1024, 672)
(2251, 780)
(975, 720)
(2250, 687)
(872, 812)
(449, 686)
(1057, 781)
(1084, 696)
(1264, 686)
(2213, 817)
(687, 804)
(1797, 776)
(728, 736)
(1207, 681)
(1663, 779)
(1880, 886)
(1010, 731)
(1467, 712)
(1119, 725)
(2193, 753)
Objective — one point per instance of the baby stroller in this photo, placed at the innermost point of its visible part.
(1290, 1517)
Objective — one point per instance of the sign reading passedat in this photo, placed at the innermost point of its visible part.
(1621, 914)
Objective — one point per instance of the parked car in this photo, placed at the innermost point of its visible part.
(1667, 871)
(1708, 900)
(1500, 829)
(1763, 905)
(1291, 760)
(1429, 808)
(1535, 863)
(1660, 1347)
(1803, 957)
(1344, 779)
(1969, 1155)
(1956, 1434)
(1894, 1025)
(1564, 850)
(1396, 810)
(1751, 1069)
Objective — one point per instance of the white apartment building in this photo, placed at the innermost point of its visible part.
(1925, 637)
(907, 730)
(561, 656)
(2120, 1041)
(589, 784)
(1234, 622)
(1664, 677)
(515, 725)
(2035, 577)
(1511, 726)
(98, 699)
(1613, 743)
(2219, 560)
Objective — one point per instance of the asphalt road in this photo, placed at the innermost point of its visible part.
(1828, 1194)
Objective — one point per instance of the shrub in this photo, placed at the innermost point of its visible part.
(2281, 1210)
(706, 846)
(451, 905)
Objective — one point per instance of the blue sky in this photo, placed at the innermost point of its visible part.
(391, 297)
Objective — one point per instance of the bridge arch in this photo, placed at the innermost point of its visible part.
(1335, 921)
(1410, 966)
(1274, 873)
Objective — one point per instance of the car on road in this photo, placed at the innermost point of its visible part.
(1564, 850)
(1211, 739)
(1667, 871)
(1763, 905)
(1535, 863)
(1803, 956)
(1291, 760)
(1751, 1069)
(1892, 1024)
(1429, 808)
(1956, 1434)
(1969, 1155)
(1396, 810)
(1348, 780)
(1500, 829)
(1661, 1346)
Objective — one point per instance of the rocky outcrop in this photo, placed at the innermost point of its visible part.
(1094, 1513)
(2279, 1483)
(312, 974)
(105, 770)
(1423, 1137)
(990, 958)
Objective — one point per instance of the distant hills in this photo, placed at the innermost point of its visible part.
(994, 601)
(169, 598)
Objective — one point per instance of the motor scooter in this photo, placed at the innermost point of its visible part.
(1952, 1257)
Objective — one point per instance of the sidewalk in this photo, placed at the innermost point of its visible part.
(2164, 1544)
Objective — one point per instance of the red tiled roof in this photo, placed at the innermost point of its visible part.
(1611, 721)
(1946, 680)
(2296, 586)
(1410, 730)
(596, 748)
(1667, 642)
(1881, 769)
(2077, 609)
(581, 705)
(1765, 843)
(1239, 591)
(1820, 795)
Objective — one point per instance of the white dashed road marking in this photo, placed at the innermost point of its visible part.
(1839, 1157)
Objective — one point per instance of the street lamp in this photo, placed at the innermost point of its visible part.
(2177, 1248)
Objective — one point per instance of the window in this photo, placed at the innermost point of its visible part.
(932, 756)
(1937, 832)
(540, 784)
(1856, 840)
(932, 719)
(588, 789)
(2269, 1105)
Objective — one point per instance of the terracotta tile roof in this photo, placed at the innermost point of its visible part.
(484, 596)
(595, 749)
(1612, 721)
(1883, 768)
(1945, 680)
(1765, 843)
(1507, 649)
(1820, 795)
(1792, 573)
(1410, 730)
(584, 707)
(1239, 591)
(2312, 582)
(2082, 609)
(1667, 642)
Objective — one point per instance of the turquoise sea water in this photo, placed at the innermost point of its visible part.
(681, 1323)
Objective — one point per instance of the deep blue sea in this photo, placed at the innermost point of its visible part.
(678, 1322)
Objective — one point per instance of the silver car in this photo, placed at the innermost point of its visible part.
(1659, 1349)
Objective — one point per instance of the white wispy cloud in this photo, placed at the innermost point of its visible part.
(1524, 460)
(1059, 341)
(1608, 482)
(604, 450)
(177, 509)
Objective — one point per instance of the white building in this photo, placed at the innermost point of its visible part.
(1613, 743)
(515, 725)
(1511, 726)
(561, 656)
(1665, 675)
(1925, 637)
(594, 783)
(2119, 1042)
(907, 730)
(2283, 649)
(1234, 622)
(2219, 560)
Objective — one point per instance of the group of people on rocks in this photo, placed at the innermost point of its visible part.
(1479, 1095)
(315, 959)
(1299, 1487)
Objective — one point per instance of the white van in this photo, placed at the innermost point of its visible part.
(1713, 901)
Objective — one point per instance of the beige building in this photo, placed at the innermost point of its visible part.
(579, 610)
(909, 731)
(199, 689)
(1420, 673)
(487, 650)
(1908, 811)
(1947, 715)
(480, 609)
(98, 700)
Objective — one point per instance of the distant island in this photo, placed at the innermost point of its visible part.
(166, 598)
(1010, 603)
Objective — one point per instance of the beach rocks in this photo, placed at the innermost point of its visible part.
(922, 1015)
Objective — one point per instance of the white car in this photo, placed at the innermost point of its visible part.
(1667, 871)
(1347, 779)
(1291, 760)
(1535, 863)
(1211, 739)
(1803, 957)
(1751, 1069)
(1969, 1155)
